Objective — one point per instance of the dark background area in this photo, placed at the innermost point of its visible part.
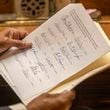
(102, 5)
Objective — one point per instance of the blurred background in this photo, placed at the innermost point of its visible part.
(11, 10)
(20, 13)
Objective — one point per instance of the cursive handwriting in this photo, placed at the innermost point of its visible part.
(67, 22)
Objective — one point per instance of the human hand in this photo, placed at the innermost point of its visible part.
(11, 37)
(52, 101)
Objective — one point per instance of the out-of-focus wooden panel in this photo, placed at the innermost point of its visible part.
(6, 6)
(105, 24)
(103, 5)
(106, 28)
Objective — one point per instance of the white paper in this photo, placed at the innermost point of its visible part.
(62, 46)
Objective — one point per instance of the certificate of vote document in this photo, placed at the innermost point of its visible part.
(62, 46)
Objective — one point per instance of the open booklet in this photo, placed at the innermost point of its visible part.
(62, 46)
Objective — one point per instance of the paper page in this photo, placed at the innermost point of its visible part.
(94, 68)
(62, 46)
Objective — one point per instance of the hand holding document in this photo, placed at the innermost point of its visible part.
(62, 46)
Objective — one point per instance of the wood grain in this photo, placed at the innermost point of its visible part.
(103, 5)
(6, 6)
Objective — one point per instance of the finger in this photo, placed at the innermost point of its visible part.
(47, 95)
(7, 31)
(52, 95)
(20, 34)
(17, 43)
(67, 96)
(15, 33)
(23, 31)
(10, 33)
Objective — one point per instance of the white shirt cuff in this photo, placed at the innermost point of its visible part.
(18, 106)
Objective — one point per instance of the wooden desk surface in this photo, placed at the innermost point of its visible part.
(105, 24)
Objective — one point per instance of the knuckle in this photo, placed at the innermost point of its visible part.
(61, 101)
(8, 29)
(6, 40)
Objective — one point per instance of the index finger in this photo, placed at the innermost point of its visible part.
(17, 43)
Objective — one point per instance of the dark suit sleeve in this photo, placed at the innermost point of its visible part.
(5, 108)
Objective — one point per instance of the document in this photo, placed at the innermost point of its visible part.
(62, 46)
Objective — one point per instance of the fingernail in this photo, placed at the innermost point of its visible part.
(28, 45)
(26, 33)
(65, 91)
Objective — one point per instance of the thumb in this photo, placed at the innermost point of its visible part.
(68, 96)
(17, 43)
